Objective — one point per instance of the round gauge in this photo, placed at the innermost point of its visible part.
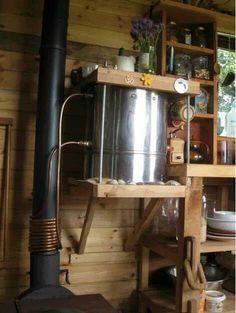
(181, 85)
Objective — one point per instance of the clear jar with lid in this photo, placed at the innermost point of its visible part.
(201, 67)
(172, 31)
(182, 65)
(187, 36)
(200, 36)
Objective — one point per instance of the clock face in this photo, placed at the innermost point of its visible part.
(181, 85)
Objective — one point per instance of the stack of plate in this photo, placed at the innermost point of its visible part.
(221, 226)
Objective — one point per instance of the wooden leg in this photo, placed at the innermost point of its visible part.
(6, 191)
(189, 225)
(87, 225)
(143, 268)
(143, 274)
(149, 213)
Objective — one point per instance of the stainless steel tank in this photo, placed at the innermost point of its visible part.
(129, 134)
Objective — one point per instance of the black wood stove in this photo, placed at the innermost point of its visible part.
(45, 295)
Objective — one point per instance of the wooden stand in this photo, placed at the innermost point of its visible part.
(151, 198)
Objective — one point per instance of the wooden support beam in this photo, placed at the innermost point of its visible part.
(149, 213)
(87, 225)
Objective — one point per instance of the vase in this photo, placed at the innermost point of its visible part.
(147, 60)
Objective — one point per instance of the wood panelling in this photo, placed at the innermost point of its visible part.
(97, 29)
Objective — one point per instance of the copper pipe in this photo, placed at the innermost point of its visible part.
(57, 150)
(43, 235)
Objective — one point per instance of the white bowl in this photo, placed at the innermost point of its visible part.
(221, 224)
(225, 215)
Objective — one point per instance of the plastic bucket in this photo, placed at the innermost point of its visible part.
(214, 301)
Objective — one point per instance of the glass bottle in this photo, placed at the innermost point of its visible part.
(172, 31)
(200, 37)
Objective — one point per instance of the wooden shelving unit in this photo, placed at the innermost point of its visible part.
(173, 251)
(166, 11)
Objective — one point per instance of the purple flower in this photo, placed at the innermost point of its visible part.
(145, 32)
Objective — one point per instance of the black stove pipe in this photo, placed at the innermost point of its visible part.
(45, 264)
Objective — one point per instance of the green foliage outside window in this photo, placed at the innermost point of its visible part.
(226, 95)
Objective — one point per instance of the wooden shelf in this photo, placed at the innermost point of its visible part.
(202, 170)
(225, 138)
(131, 191)
(133, 80)
(202, 82)
(229, 303)
(217, 246)
(166, 248)
(161, 301)
(184, 48)
(208, 116)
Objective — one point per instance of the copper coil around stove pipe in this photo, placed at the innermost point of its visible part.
(43, 235)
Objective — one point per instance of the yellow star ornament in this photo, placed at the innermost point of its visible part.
(146, 79)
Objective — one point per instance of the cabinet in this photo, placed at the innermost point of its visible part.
(203, 127)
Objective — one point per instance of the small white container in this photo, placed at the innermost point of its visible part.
(214, 301)
(125, 63)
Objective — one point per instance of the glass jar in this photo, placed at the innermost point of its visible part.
(168, 219)
(201, 68)
(182, 65)
(200, 37)
(172, 31)
(186, 36)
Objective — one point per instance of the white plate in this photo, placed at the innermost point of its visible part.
(219, 234)
(222, 225)
(213, 237)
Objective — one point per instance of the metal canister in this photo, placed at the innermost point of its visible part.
(128, 134)
(178, 111)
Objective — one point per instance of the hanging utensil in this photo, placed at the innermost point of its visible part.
(229, 78)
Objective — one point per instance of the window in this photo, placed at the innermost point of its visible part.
(226, 83)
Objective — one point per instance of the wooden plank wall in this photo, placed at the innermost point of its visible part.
(96, 30)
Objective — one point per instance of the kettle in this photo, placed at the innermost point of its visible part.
(198, 151)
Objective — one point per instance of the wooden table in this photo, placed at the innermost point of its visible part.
(85, 304)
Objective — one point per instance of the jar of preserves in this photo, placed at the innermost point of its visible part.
(182, 65)
(201, 68)
(172, 31)
(187, 36)
(200, 37)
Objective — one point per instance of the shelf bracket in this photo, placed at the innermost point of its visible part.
(149, 213)
(87, 224)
